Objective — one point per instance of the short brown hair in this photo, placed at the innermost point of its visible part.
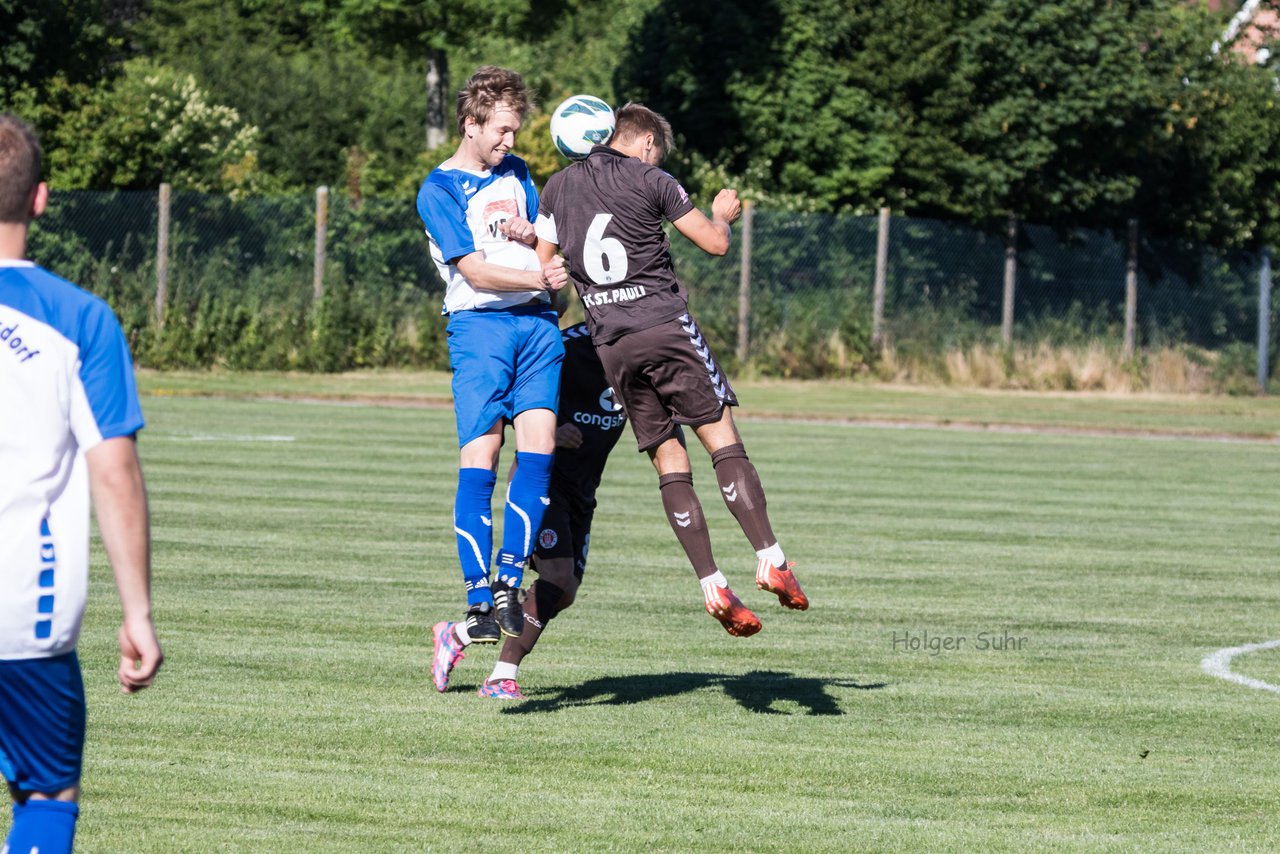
(632, 120)
(488, 87)
(19, 168)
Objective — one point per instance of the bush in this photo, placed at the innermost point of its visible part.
(1235, 370)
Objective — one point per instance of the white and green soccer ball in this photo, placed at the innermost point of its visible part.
(580, 122)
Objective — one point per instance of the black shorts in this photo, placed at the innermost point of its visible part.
(565, 532)
(665, 376)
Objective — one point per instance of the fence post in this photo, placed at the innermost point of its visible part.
(322, 226)
(1131, 291)
(744, 286)
(1010, 280)
(162, 254)
(1264, 320)
(882, 267)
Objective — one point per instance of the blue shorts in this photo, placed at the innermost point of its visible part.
(504, 362)
(41, 722)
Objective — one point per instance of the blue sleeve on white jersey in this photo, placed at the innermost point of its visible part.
(530, 191)
(106, 371)
(85, 320)
(443, 208)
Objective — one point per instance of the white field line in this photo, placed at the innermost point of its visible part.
(219, 437)
(1219, 664)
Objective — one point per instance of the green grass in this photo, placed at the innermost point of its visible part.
(1257, 417)
(296, 583)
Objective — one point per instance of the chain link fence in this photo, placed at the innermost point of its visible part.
(240, 289)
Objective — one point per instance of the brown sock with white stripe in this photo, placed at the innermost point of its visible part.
(684, 512)
(744, 494)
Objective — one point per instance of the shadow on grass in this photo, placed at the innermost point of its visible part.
(756, 691)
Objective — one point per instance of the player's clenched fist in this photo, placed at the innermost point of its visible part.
(518, 229)
(726, 207)
(140, 655)
(568, 436)
(554, 275)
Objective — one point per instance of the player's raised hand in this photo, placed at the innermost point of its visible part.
(568, 436)
(554, 274)
(140, 655)
(726, 207)
(518, 229)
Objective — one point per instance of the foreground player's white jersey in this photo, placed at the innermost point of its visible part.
(66, 383)
(462, 211)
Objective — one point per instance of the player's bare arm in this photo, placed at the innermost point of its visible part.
(494, 277)
(712, 235)
(120, 498)
(546, 250)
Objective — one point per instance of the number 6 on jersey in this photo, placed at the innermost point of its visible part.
(604, 258)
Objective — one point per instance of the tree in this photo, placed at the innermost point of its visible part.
(325, 109)
(426, 31)
(767, 86)
(1072, 113)
(153, 125)
(75, 39)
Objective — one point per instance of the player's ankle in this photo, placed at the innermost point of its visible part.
(717, 578)
(774, 555)
(504, 670)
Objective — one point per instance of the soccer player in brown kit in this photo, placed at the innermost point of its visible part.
(605, 214)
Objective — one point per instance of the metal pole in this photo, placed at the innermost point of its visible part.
(1131, 292)
(744, 285)
(322, 224)
(1264, 320)
(882, 268)
(162, 254)
(1010, 280)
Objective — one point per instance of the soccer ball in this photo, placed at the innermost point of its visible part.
(579, 123)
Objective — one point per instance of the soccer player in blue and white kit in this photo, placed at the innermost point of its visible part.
(68, 416)
(504, 341)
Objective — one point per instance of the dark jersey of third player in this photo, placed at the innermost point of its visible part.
(605, 213)
(587, 402)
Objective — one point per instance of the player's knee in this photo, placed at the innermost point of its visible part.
(70, 794)
(557, 571)
(547, 595)
(670, 456)
(569, 595)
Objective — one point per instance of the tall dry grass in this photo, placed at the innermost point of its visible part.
(1042, 367)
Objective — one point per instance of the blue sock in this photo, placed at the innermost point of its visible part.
(473, 523)
(526, 502)
(48, 826)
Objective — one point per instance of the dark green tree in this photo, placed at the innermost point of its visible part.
(78, 40)
(327, 111)
(767, 86)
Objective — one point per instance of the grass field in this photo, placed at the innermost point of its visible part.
(303, 551)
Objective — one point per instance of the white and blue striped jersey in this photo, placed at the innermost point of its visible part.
(66, 384)
(462, 210)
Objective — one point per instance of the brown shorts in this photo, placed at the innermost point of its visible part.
(665, 376)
